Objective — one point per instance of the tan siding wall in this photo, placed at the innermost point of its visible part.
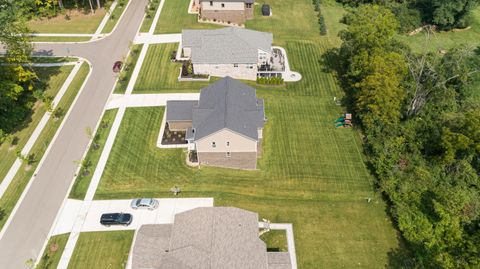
(222, 70)
(187, 52)
(224, 16)
(218, 6)
(239, 160)
(237, 143)
(249, 13)
(179, 125)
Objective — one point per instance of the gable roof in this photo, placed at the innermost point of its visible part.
(180, 110)
(206, 238)
(226, 46)
(230, 104)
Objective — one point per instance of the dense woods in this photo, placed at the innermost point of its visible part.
(445, 14)
(421, 133)
(16, 80)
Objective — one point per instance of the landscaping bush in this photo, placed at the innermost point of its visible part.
(323, 26)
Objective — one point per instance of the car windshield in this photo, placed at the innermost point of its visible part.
(138, 202)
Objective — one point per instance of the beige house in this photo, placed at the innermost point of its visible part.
(235, 52)
(224, 127)
(225, 11)
(206, 237)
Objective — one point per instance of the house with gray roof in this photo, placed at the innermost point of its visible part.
(206, 238)
(228, 12)
(224, 127)
(235, 52)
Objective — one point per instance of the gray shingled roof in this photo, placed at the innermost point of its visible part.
(226, 1)
(206, 237)
(279, 260)
(231, 104)
(226, 46)
(180, 110)
(150, 244)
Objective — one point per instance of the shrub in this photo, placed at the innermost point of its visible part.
(270, 80)
(323, 26)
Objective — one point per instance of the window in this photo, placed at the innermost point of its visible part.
(228, 154)
(211, 3)
(228, 144)
(223, 5)
(235, 65)
(214, 145)
(248, 5)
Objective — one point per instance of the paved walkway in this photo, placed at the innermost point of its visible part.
(156, 39)
(288, 228)
(41, 125)
(147, 100)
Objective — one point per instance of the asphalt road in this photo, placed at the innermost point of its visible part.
(26, 234)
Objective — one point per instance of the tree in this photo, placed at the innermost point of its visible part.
(447, 14)
(380, 93)
(16, 80)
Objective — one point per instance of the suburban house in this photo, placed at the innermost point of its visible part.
(224, 11)
(224, 127)
(206, 237)
(235, 52)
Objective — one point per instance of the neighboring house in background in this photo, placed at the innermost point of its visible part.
(224, 127)
(224, 11)
(235, 52)
(206, 237)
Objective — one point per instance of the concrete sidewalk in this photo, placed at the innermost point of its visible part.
(41, 125)
(157, 39)
(147, 100)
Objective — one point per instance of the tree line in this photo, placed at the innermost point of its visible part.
(445, 14)
(420, 120)
(51, 8)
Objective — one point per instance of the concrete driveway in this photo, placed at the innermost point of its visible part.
(164, 214)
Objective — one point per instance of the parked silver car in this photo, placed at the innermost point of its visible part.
(144, 203)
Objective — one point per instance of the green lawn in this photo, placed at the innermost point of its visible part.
(149, 16)
(82, 182)
(275, 240)
(311, 174)
(127, 70)
(159, 74)
(53, 77)
(174, 18)
(78, 24)
(51, 256)
(24, 174)
(101, 250)
(60, 38)
(446, 40)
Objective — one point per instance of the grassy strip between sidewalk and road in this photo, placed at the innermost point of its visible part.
(52, 79)
(129, 65)
(53, 252)
(102, 250)
(25, 173)
(82, 182)
(115, 16)
(149, 16)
